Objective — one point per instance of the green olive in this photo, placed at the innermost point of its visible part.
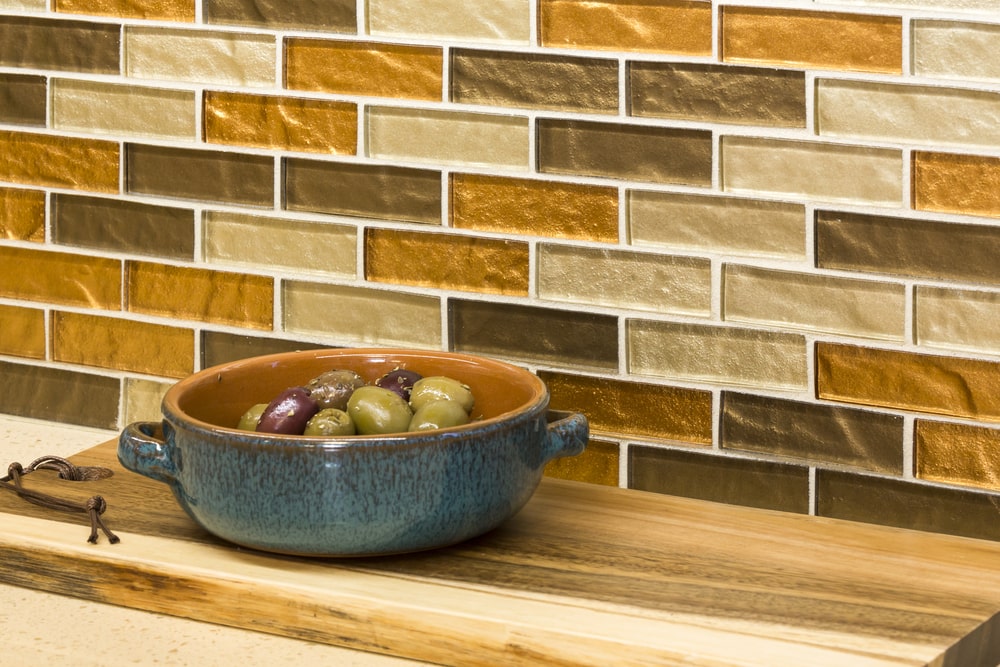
(330, 422)
(439, 387)
(439, 414)
(375, 410)
(249, 419)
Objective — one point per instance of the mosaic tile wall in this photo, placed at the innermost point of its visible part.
(756, 242)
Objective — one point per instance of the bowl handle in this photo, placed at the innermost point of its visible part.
(146, 448)
(567, 435)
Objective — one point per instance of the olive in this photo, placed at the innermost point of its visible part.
(438, 388)
(330, 421)
(378, 410)
(332, 388)
(399, 380)
(248, 422)
(288, 412)
(439, 414)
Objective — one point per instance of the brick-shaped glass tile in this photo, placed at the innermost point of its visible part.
(62, 162)
(22, 214)
(818, 40)
(709, 223)
(122, 344)
(618, 150)
(907, 247)
(203, 175)
(706, 353)
(723, 479)
(202, 56)
(956, 183)
(625, 279)
(363, 190)
(717, 93)
(106, 108)
(532, 80)
(22, 331)
(74, 46)
(957, 453)
(904, 380)
(23, 99)
(631, 408)
(446, 261)
(813, 170)
(957, 319)
(814, 302)
(503, 21)
(956, 49)
(221, 347)
(142, 400)
(534, 207)
(27, 5)
(344, 315)
(332, 15)
(560, 337)
(156, 10)
(814, 433)
(59, 395)
(58, 277)
(298, 245)
(200, 294)
(668, 26)
(598, 464)
(371, 69)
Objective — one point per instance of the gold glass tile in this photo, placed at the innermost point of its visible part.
(220, 347)
(635, 152)
(62, 162)
(122, 226)
(954, 183)
(533, 334)
(23, 99)
(907, 247)
(364, 68)
(143, 399)
(44, 43)
(629, 408)
(345, 315)
(202, 56)
(823, 40)
(706, 353)
(625, 279)
(121, 344)
(22, 214)
(532, 80)
(363, 190)
(717, 93)
(160, 10)
(476, 20)
(814, 302)
(598, 464)
(325, 15)
(708, 223)
(815, 434)
(22, 331)
(956, 49)
(446, 261)
(57, 277)
(534, 207)
(255, 241)
(964, 454)
(957, 319)
(723, 479)
(825, 171)
(200, 294)
(106, 108)
(59, 395)
(668, 26)
(200, 174)
(908, 381)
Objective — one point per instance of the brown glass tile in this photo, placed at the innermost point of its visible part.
(734, 481)
(62, 162)
(561, 337)
(161, 10)
(78, 46)
(532, 80)
(59, 395)
(635, 152)
(325, 15)
(22, 331)
(953, 183)
(220, 347)
(200, 174)
(122, 226)
(967, 454)
(598, 464)
(57, 277)
(22, 214)
(22, 99)
(362, 190)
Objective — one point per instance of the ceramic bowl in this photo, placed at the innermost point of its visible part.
(358, 495)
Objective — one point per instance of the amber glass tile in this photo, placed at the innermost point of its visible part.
(22, 331)
(823, 40)
(957, 319)
(105, 108)
(717, 93)
(62, 162)
(57, 277)
(200, 174)
(160, 10)
(630, 408)
(909, 381)
(956, 49)
(446, 261)
(954, 183)
(364, 68)
(615, 150)
(122, 344)
(22, 214)
(965, 454)
(76, 46)
(598, 464)
(325, 15)
(534, 207)
(142, 400)
(22, 99)
(472, 20)
(59, 395)
(221, 347)
(723, 479)
(202, 56)
(562, 337)
(363, 190)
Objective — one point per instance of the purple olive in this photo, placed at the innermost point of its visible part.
(400, 381)
(288, 413)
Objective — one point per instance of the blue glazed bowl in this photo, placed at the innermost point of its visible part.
(358, 495)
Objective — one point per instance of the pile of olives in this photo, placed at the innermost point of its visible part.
(340, 402)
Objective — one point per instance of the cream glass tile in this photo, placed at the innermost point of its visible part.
(143, 399)
(917, 4)
(824, 171)
(479, 20)
(202, 56)
(26, 5)
(958, 319)
(104, 108)
(448, 137)
(956, 50)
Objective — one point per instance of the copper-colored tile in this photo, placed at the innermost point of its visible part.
(598, 464)
(955, 183)
(62, 162)
(57, 277)
(97, 107)
(22, 214)
(45, 43)
(332, 15)
(200, 56)
(142, 400)
(22, 99)
(952, 453)
(158, 10)
(957, 319)
(59, 395)
(504, 21)
(22, 331)
(221, 347)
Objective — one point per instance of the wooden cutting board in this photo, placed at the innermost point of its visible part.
(584, 575)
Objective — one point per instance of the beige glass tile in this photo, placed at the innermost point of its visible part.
(956, 49)
(55, 44)
(59, 395)
(814, 302)
(617, 150)
(908, 381)
(475, 20)
(256, 241)
(58, 277)
(534, 207)
(23, 99)
(105, 108)
(27, 5)
(625, 279)
(920, 4)
(22, 331)
(142, 399)
(821, 40)
(328, 15)
(202, 56)
(159, 10)
(220, 347)
(957, 319)
(966, 454)
(709, 223)
(707, 353)
(956, 183)
(448, 137)
(668, 26)
(815, 170)
(343, 314)
(598, 464)
(62, 162)
(446, 261)
(22, 214)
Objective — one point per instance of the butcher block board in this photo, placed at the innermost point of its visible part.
(583, 575)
